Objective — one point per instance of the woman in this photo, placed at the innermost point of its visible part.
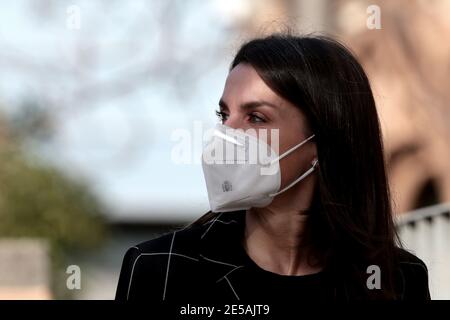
(328, 232)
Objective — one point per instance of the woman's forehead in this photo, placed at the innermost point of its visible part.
(244, 84)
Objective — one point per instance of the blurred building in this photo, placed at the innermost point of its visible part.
(24, 269)
(408, 61)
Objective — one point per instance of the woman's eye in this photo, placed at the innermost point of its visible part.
(255, 118)
(222, 115)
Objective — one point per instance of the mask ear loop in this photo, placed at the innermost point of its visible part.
(303, 176)
(292, 150)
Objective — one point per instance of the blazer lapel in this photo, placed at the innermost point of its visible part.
(220, 245)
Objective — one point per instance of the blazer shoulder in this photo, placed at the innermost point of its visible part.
(407, 258)
(414, 276)
(147, 262)
(180, 240)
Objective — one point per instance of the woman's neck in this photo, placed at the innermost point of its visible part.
(276, 241)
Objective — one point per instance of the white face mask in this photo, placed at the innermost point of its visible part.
(242, 171)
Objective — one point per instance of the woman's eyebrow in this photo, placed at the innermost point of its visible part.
(249, 105)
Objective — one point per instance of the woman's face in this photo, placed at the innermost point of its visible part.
(247, 102)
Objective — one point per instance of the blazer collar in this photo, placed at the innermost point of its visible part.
(221, 245)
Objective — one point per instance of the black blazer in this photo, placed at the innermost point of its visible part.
(199, 264)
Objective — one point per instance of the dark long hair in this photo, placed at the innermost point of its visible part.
(351, 221)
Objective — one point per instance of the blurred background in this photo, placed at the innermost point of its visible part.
(93, 93)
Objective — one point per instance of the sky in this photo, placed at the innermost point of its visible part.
(119, 78)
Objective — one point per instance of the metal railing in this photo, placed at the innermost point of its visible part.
(426, 233)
